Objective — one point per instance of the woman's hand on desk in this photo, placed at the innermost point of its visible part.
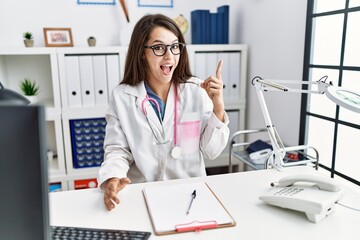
(112, 187)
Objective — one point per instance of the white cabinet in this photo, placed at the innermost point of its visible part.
(75, 84)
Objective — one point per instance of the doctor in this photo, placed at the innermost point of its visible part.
(161, 120)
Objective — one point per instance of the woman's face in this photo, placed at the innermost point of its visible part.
(161, 68)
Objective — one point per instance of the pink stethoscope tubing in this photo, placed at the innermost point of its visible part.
(176, 151)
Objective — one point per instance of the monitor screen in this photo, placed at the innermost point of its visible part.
(23, 173)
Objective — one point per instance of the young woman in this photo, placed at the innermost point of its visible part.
(161, 120)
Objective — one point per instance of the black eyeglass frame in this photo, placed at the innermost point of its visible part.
(166, 48)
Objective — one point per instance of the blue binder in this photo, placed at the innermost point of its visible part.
(214, 31)
(200, 33)
(220, 28)
(206, 27)
(225, 26)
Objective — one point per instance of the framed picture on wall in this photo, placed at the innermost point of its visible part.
(58, 37)
(156, 3)
(98, 2)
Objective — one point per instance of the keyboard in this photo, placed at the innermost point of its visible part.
(76, 233)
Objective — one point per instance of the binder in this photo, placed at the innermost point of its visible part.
(225, 27)
(234, 92)
(200, 26)
(213, 23)
(100, 79)
(220, 18)
(225, 72)
(211, 63)
(87, 80)
(72, 74)
(200, 65)
(196, 27)
(206, 26)
(168, 204)
(113, 72)
(122, 58)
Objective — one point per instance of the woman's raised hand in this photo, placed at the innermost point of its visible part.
(214, 88)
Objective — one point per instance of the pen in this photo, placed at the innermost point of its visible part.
(193, 196)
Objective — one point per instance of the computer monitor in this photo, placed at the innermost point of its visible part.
(23, 173)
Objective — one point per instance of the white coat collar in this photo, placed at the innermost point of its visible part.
(139, 92)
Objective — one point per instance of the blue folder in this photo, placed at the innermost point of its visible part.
(225, 26)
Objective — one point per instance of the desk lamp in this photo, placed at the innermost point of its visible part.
(343, 97)
(8, 96)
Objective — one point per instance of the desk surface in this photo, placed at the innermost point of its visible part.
(239, 192)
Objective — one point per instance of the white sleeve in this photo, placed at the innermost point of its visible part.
(117, 156)
(215, 136)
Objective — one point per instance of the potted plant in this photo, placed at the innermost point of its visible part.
(91, 41)
(28, 39)
(30, 89)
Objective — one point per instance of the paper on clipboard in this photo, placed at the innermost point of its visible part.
(168, 205)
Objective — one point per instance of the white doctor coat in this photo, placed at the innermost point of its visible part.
(131, 149)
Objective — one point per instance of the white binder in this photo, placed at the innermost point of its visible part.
(200, 65)
(73, 81)
(100, 79)
(113, 71)
(87, 80)
(122, 57)
(235, 75)
(225, 72)
(211, 64)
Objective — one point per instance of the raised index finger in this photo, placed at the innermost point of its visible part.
(218, 70)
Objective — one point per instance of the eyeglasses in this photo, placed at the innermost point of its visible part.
(161, 49)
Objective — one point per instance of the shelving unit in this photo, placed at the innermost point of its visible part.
(51, 69)
(39, 64)
(73, 62)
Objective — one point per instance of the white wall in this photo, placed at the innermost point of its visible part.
(274, 31)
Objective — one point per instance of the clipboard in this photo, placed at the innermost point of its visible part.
(168, 204)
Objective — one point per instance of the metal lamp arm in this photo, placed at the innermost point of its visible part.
(276, 143)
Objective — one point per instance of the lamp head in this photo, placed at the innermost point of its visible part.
(8, 96)
(344, 97)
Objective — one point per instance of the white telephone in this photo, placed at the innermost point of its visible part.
(314, 195)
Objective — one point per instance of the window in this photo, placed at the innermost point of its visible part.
(332, 48)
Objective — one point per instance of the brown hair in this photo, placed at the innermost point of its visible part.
(136, 67)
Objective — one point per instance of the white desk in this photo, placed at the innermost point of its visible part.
(238, 192)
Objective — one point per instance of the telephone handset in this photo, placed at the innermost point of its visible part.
(314, 195)
(327, 184)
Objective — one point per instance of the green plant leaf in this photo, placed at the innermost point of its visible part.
(28, 87)
(28, 35)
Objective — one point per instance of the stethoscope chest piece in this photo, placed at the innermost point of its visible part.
(176, 152)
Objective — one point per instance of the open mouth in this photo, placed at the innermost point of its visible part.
(166, 68)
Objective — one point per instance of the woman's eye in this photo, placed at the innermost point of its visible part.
(175, 46)
(159, 47)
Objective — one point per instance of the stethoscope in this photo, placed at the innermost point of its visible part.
(176, 150)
